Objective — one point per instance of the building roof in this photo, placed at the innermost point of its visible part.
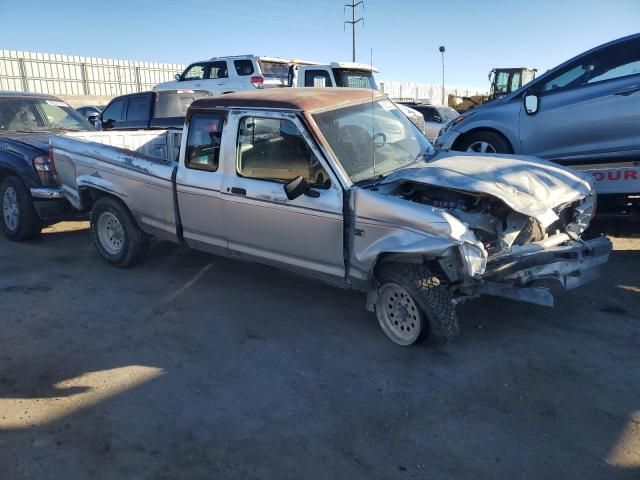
(302, 99)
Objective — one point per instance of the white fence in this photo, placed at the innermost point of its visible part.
(425, 92)
(73, 75)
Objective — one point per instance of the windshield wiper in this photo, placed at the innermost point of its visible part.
(371, 181)
(426, 154)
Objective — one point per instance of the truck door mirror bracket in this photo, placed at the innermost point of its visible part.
(299, 186)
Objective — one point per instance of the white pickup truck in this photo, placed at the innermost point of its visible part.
(341, 75)
(338, 184)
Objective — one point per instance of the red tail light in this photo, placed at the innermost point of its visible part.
(45, 168)
(257, 82)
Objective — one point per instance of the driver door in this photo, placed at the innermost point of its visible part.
(303, 234)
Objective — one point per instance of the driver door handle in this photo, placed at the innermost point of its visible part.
(628, 90)
(238, 191)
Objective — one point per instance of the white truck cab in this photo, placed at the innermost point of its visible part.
(231, 74)
(343, 74)
(335, 74)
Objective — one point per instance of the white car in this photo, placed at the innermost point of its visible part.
(231, 74)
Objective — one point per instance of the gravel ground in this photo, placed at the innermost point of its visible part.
(194, 366)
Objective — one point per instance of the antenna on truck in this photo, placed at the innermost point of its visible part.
(373, 144)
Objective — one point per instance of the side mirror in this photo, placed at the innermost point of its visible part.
(92, 117)
(531, 104)
(177, 77)
(299, 186)
(437, 118)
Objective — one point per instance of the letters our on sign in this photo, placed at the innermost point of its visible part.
(616, 175)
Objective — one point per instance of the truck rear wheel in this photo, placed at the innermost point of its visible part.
(415, 305)
(20, 221)
(115, 233)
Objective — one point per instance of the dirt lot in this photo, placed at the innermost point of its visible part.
(194, 366)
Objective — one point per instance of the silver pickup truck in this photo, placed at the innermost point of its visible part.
(340, 185)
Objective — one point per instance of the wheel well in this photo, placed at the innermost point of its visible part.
(394, 257)
(89, 196)
(461, 138)
(5, 172)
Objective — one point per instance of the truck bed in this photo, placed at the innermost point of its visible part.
(135, 166)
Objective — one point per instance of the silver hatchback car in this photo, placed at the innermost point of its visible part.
(585, 111)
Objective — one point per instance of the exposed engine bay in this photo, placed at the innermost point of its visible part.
(493, 223)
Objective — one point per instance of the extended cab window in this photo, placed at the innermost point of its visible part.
(138, 108)
(203, 142)
(274, 149)
(317, 78)
(218, 70)
(194, 72)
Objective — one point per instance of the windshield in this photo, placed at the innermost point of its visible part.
(175, 104)
(346, 77)
(448, 113)
(24, 114)
(371, 140)
(277, 70)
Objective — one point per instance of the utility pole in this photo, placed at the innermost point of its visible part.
(353, 5)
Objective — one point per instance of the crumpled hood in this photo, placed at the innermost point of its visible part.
(529, 185)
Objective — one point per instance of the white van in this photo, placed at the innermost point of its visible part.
(231, 74)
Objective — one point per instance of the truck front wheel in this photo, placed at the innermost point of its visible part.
(414, 305)
(115, 233)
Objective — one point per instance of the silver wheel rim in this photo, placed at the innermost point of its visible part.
(481, 147)
(10, 208)
(398, 314)
(110, 233)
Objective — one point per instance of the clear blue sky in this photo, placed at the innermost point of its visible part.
(404, 34)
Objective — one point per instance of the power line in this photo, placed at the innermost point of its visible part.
(353, 5)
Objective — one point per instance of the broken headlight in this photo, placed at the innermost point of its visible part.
(582, 215)
(475, 259)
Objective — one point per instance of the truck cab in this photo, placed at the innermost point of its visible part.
(335, 74)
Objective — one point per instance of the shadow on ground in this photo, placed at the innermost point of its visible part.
(195, 366)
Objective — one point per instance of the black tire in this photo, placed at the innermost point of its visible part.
(438, 322)
(132, 241)
(497, 142)
(29, 224)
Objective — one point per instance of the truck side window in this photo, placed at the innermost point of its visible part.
(203, 142)
(114, 112)
(274, 149)
(138, 109)
(317, 78)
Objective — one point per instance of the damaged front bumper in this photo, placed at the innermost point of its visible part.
(569, 265)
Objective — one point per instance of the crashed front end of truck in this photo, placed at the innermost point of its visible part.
(496, 225)
(523, 253)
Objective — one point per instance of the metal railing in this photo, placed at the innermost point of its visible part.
(73, 75)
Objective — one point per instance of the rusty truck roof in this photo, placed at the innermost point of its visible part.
(303, 99)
